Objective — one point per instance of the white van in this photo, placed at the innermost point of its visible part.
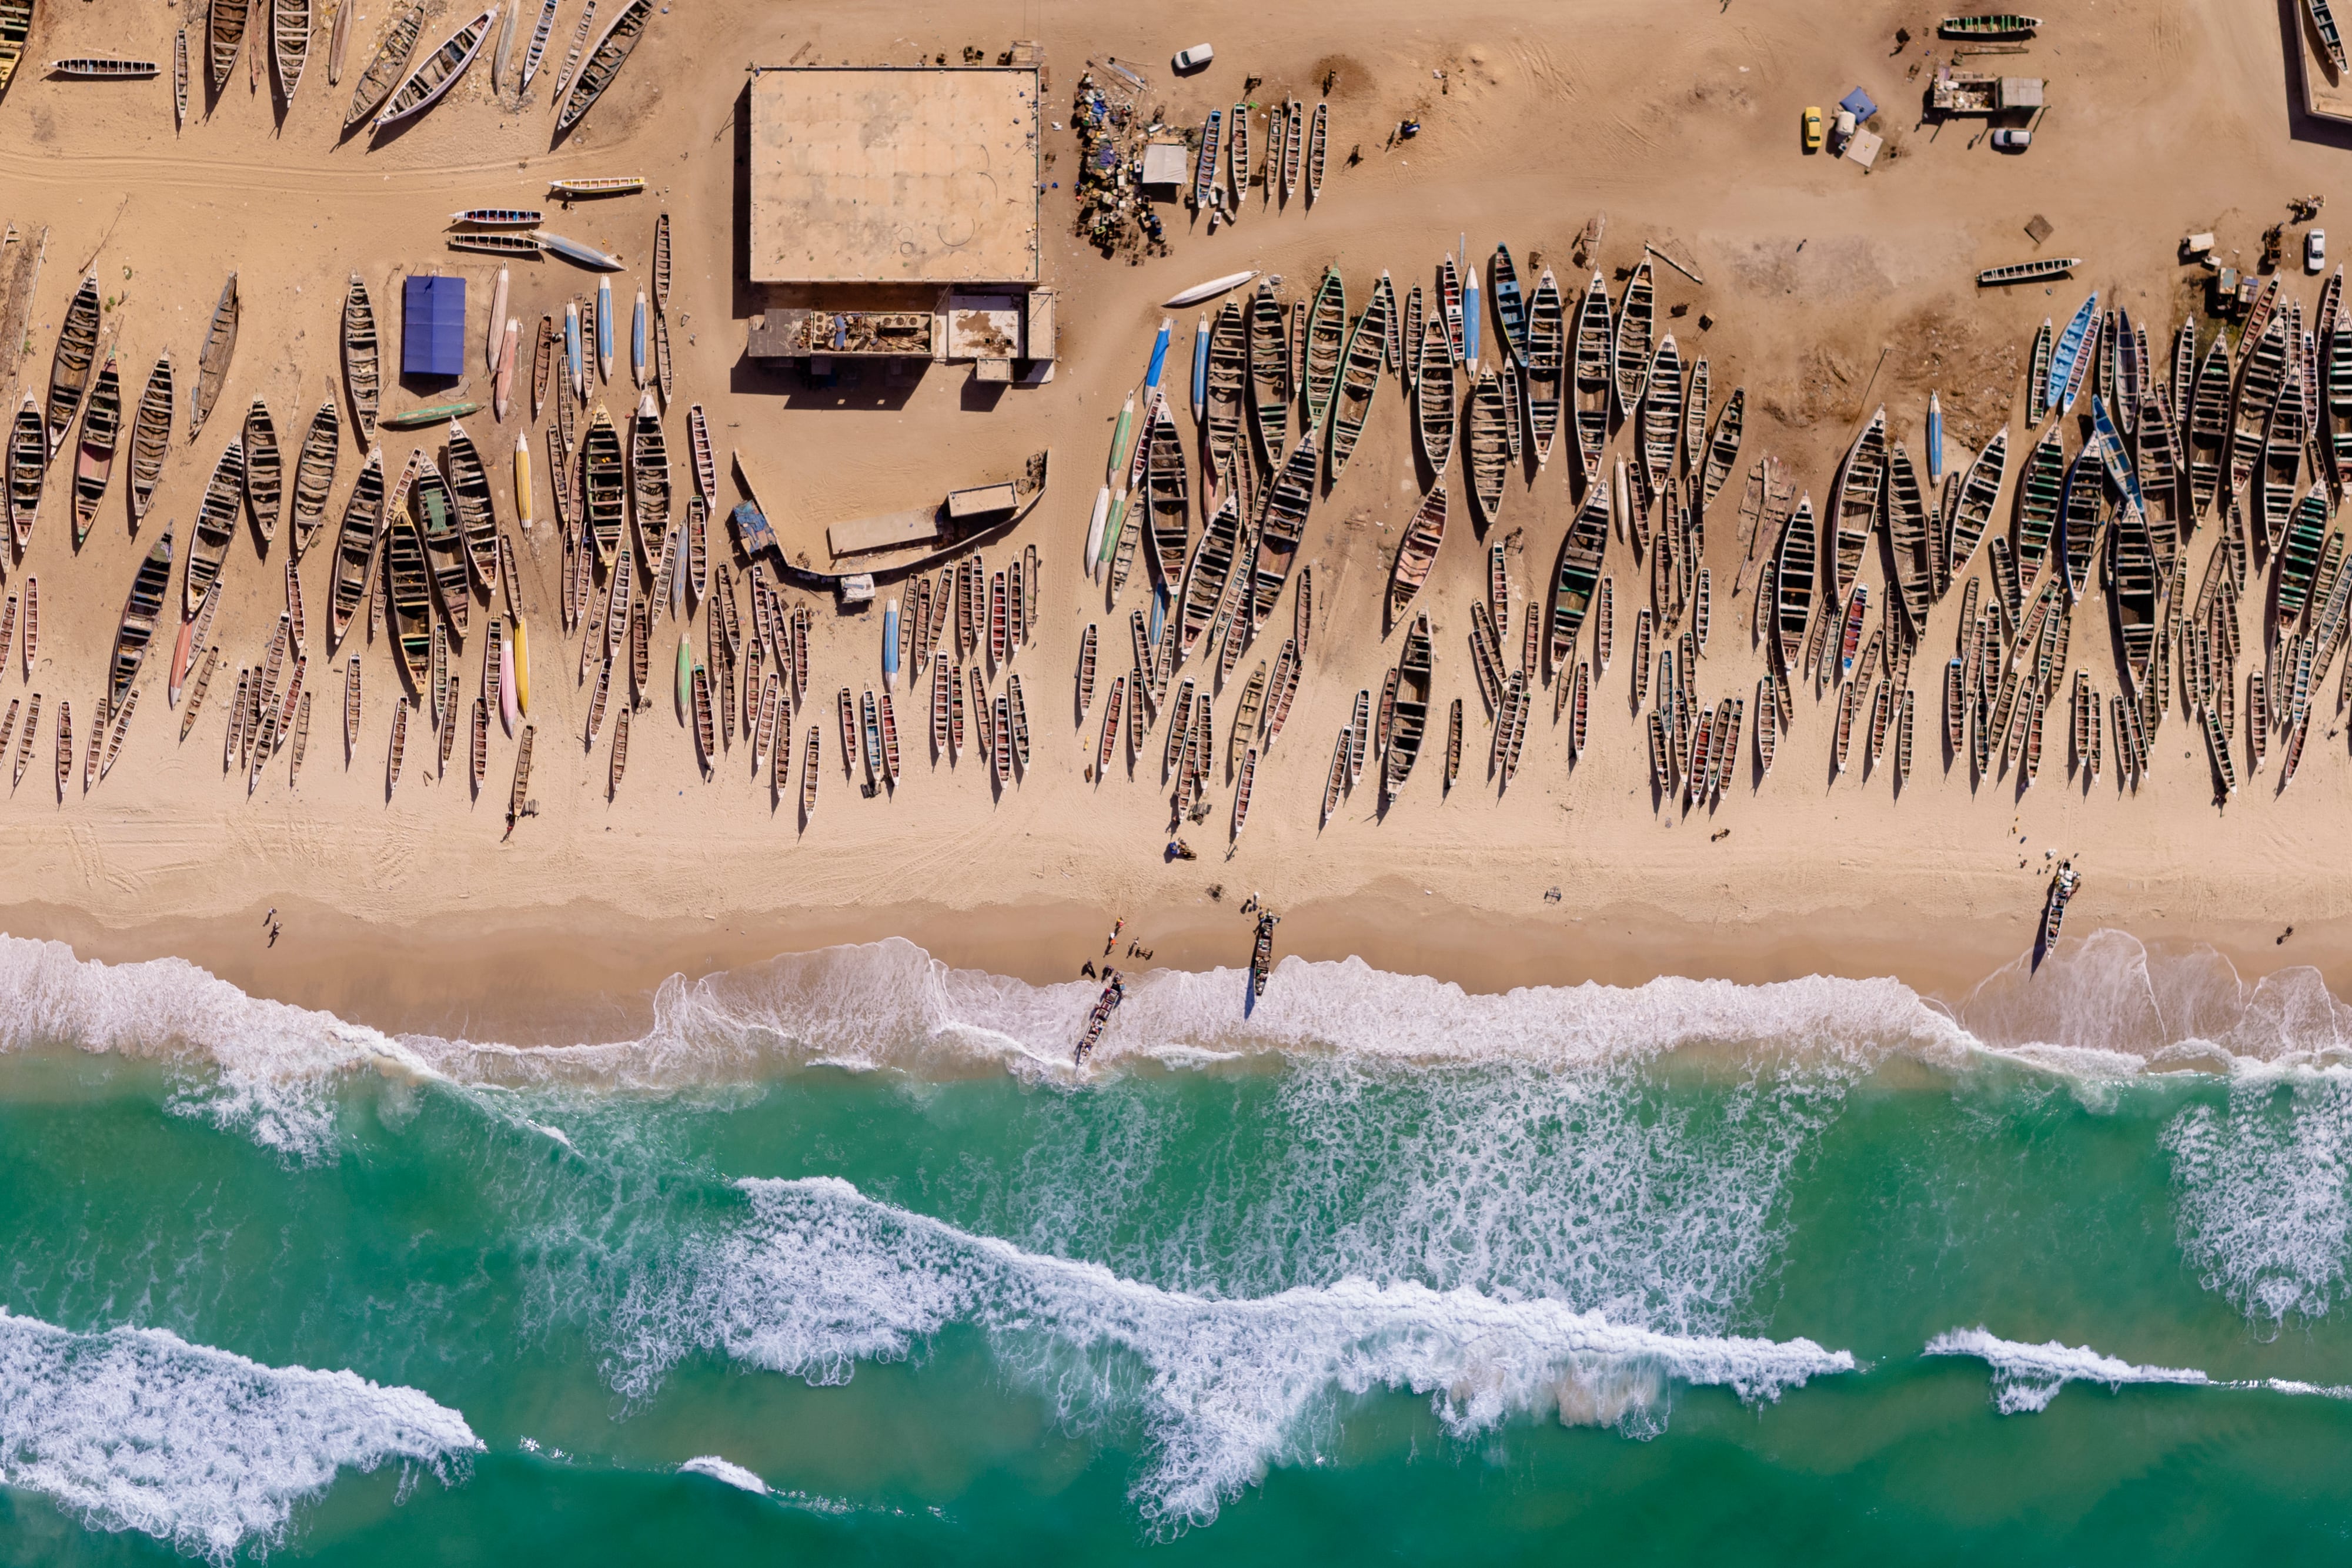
(1193, 59)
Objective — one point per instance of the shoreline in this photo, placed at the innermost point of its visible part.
(588, 974)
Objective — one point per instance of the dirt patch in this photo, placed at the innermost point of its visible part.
(1349, 77)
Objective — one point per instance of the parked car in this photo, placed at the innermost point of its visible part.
(2012, 141)
(2315, 250)
(1812, 130)
(1193, 59)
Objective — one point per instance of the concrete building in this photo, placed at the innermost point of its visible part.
(872, 183)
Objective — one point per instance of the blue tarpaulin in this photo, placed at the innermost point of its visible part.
(1857, 104)
(433, 327)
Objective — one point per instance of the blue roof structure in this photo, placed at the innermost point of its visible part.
(432, 328)
(1858, 104)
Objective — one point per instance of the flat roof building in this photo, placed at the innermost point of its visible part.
(894, 175)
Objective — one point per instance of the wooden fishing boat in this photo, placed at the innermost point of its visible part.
(32, 624)
(1317, 135)
(1662, 413)
(1595, 346)
(1545, 360)
(706, 728)
(1792, 582)
(605, 490)
(289, 44)
(499, 217)
(2260, 384)
(1387, 719)
(999, 635)
(212, 365)
(1498, 590)
(386, 67)
(408, 592)
(1448, 311)
(2304, 533)
(1293, 147)
(598, 185)
(1696, 401)
(1000, 745)
(2209, 426)
(2080, 512)
(890, 732)
(1282, 526)
(1417, 552)
(69, 367)
(215, 525)
(140, 611)
(363, 363)
(493, 243)
(1326, 327)
(2070, 356)
(437, 518)
(1511, 730)
(1488, 458)
(1579, 577)
(1434, 397)
(1212, 565)
(224, 34)
(706, 472)
(1984, 28)
(314, 474)
(1979, 489)
(604, 62)
(104, 68)
(265, 470)
(2040, 490)
(2283, 438)
(1630, 351)
(355, 547)
(429, 82)
(649, 483)
(116, 731)
(1204, 170)
(179, 76)
(1906, 537)
(1170, 496)
(151, 436)
(65, 745)
(1017, 712)
(1339, 777)
(2037, 271)
(1853, 505)
(24, 745)
(1408, 720)
(1408, 365)
(101, 428)
(1271, 387)
(1226, 379)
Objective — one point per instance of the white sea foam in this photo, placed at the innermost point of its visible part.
(721, 1470)
(2264, 1184)
(818, 1278)
(2027, 1377)
(268, 1061)
(137, 1429)
(2097, 1009)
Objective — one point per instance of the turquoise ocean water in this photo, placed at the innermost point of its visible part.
(842, 1264)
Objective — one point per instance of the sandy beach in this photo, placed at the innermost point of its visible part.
(1829, 290)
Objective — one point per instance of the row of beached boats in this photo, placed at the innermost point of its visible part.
(1297, 142)
(394, 86)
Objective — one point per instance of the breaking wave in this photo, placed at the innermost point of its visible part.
(137, 1429)
(2027, 1377)
(818, 1277)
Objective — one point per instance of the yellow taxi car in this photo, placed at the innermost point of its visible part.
(1812, 130)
